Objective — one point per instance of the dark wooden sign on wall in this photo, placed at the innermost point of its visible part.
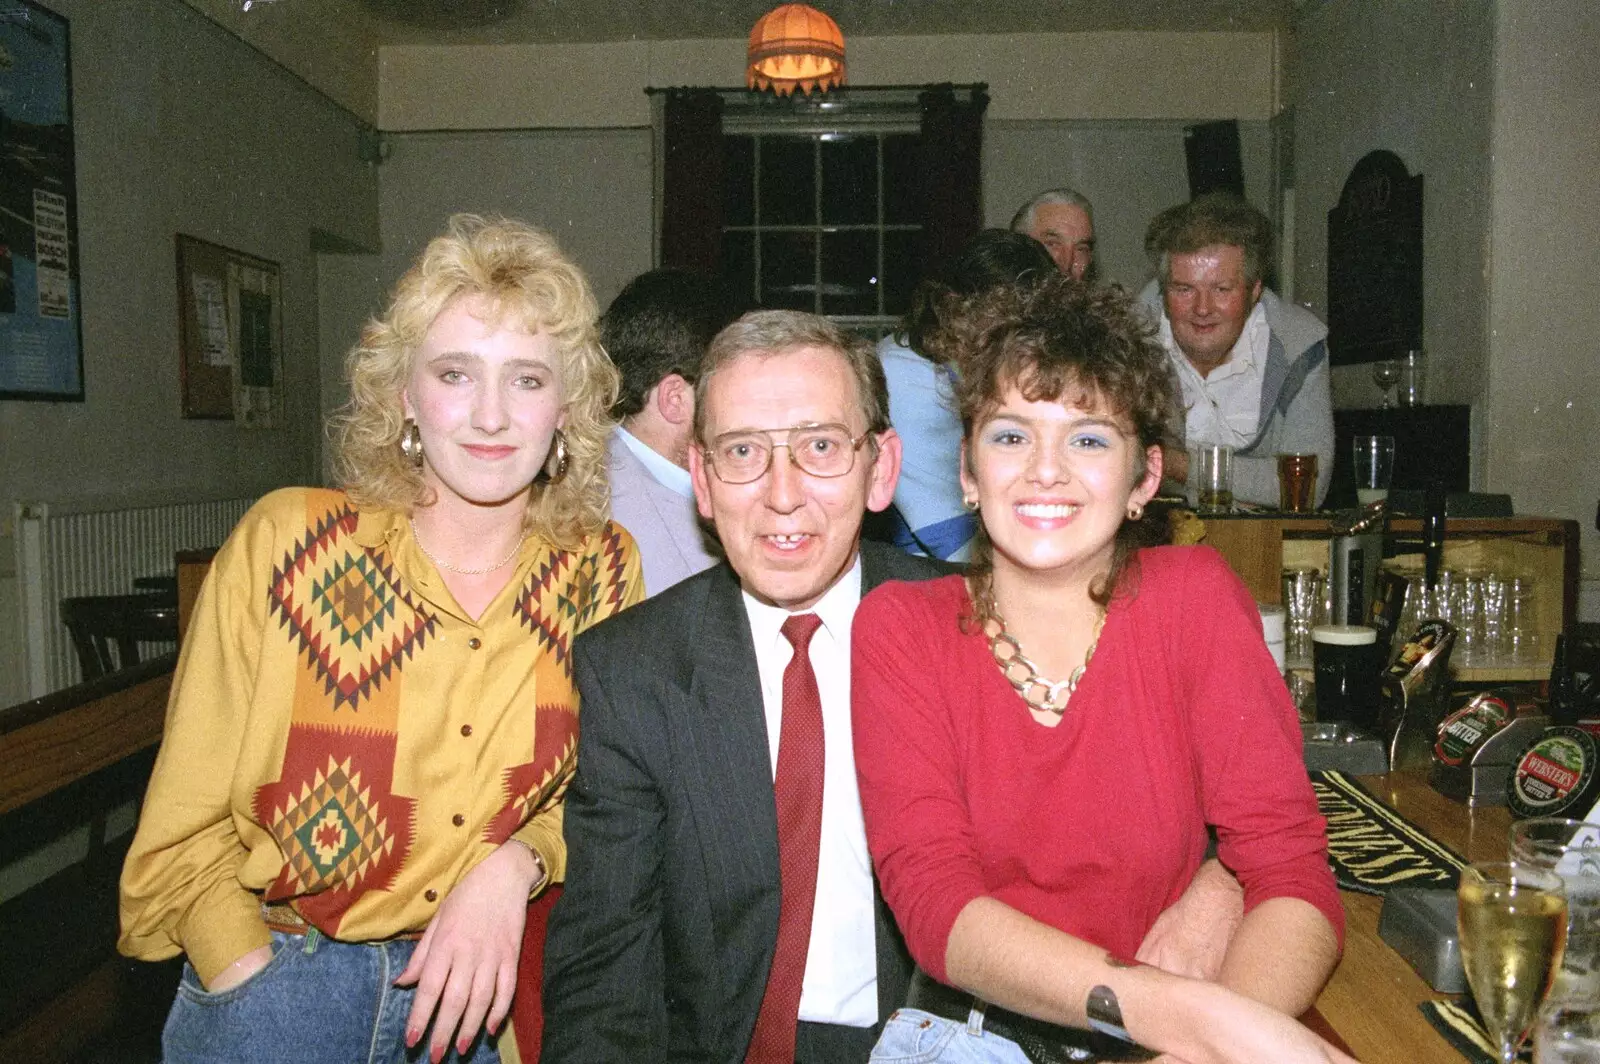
(1375, 263)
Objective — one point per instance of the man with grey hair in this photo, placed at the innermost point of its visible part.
(1063, 221)
(719, 903)
(1253, 369)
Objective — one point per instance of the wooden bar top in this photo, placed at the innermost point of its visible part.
(1373, 996)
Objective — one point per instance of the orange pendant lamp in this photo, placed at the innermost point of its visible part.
(795, 47)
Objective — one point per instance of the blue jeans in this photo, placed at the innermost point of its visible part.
(316, 1002)
(915, 1037)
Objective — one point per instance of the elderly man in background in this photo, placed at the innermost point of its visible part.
(1063, 221)
(657, 331)
(1252, 368)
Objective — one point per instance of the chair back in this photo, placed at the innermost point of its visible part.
(100, 622)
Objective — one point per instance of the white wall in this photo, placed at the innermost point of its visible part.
(332, 45)
(179, 127)
(1541, 423)
(1030, 76)
(1129, 170)
(1416, 79)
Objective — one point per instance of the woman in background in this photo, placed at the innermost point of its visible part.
(373, 718)
(1042, 743)
(927, 516)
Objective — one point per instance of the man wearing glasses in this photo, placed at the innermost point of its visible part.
(719, 901)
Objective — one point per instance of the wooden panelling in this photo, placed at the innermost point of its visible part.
(49, 752)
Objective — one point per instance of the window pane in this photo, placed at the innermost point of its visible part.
(850, 181)
(739, 267)
(738, 180)
(788, 265)
(902, 179)
(850, 273)
(788, 181)
(902, 268)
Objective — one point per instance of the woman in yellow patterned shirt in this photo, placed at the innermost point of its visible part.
(373, 720)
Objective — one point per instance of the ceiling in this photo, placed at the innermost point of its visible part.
(401, 22)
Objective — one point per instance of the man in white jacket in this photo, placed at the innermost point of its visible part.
(1253, 369)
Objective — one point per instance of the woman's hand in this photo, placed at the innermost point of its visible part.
(466, 963)
(1214, 1025)
(241, 969)
(1191, 936)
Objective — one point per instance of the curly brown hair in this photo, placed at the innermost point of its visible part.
(1064, 341)
(528, 282)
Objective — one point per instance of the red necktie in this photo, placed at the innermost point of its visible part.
(798, 789)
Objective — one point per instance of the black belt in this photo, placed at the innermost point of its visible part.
(1040, 1042)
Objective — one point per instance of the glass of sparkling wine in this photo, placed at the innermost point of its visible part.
(1513, 923)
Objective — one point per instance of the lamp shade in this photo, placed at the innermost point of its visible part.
(795, 47)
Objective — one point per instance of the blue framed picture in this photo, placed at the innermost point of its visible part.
(41, 330)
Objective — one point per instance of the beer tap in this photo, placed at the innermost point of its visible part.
(1433, 517)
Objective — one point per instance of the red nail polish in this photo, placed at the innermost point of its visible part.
(412, 1034)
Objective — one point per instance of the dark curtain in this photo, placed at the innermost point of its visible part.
(952, 172)
(691, 192)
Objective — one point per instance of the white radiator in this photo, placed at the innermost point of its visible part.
(61, 556)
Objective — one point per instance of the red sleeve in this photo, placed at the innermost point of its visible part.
(907, 760)
(1252, 768)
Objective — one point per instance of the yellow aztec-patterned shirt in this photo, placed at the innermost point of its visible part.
(343, 737)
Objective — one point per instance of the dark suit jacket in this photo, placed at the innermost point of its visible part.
(659, 948)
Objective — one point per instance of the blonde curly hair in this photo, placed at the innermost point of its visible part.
(527, 282)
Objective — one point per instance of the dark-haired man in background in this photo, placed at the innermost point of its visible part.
(657, 331)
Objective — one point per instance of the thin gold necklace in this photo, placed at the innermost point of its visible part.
(441, 563)
(1020, 671)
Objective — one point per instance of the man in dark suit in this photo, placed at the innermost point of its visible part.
(719, 901)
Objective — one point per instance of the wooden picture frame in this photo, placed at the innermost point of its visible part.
(230, 330)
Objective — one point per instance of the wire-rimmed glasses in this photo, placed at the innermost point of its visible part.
(744, 456)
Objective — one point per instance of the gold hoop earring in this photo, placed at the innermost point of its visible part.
(555, 465)
(1135, 512)
(971, 505)
(411, 442)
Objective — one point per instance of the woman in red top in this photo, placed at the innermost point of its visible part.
(1043, 743)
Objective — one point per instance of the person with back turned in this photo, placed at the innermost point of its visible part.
(656, 332)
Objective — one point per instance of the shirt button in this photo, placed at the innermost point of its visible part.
(431, 894)
(466, 729)
(458, 820)
(474, 642)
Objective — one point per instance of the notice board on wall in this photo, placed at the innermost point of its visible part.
(230, 327)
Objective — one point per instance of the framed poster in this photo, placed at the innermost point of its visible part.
(230, 331)
(41, 336)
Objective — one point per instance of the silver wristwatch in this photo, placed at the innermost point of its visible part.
(1105, 1015)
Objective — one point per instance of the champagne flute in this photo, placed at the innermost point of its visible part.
(1386, 374)
(1513, 923)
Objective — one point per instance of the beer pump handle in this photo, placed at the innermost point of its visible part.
(1433, 531)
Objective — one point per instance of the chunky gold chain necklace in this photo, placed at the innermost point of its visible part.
(441, 563)
(1021, 673)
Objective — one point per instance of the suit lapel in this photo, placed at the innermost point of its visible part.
(727, 748)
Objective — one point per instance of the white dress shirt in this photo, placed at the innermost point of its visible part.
(841, 980)
(667, 472)
(1225, 406)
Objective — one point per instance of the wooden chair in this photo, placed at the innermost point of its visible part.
(99, 622)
